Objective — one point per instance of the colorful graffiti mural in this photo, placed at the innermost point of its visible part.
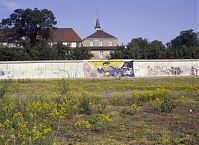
(111, 68)
(2, 73)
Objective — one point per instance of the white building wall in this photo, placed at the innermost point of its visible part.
(73, 44)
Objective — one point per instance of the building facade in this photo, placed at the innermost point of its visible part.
(101, 43)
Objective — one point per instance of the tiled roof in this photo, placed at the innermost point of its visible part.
(65, 35)
(100, 34)
(103, 48)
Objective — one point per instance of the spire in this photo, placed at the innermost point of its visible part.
(97, 26)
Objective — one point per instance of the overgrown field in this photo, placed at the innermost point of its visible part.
(100, 111)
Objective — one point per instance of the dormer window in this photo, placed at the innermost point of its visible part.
(91, 43)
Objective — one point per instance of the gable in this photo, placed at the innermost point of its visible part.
(101, 34)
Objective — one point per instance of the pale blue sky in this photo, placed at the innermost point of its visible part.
(126, 19)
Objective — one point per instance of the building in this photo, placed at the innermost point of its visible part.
(101, 43)
(66, 36)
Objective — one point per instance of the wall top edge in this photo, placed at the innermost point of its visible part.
(43, 61)
(82, 61)
(165, 60)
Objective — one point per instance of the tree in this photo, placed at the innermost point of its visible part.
(63, 52)
(42, 51)
(34, 25)
(81, 53)
(157, 50)
(120, 53)
(138, 48)
(186, 38)
(184, 46)
(12, 54)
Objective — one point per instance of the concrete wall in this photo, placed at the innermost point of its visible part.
(153, 68)
(97, 68)
(41, 70)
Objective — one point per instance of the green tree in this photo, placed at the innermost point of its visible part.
(138, 48)
(184, 46)
(120, 53)
(186, 38)
(81, 53)
(34, 25)
(63, 52)
(43, 51)
(156, 50)
(12, 54)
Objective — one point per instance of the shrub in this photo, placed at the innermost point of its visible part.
(63, 87)
(82, 124)
(85, 105)
(147, 95)
(2, 92)
(118, 100)
(183, 99)
(99, 108)
(99, 121)
(132, 110)
(166, 104)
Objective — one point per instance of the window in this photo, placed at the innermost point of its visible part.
(68, 44)
(101, 43)
(91, 43)
(101, 54)
(110, 43)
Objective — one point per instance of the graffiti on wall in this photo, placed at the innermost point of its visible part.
(194, 71)
(164, 71)
(175, 71)
(157, 70)
(2, 73)
(109, 69)
(172, 71)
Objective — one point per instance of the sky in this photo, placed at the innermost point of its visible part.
(125, 19)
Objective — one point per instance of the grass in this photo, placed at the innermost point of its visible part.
(100, 111)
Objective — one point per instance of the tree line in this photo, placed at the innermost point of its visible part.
(184, 46)
(30, 30)
(44, 51)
